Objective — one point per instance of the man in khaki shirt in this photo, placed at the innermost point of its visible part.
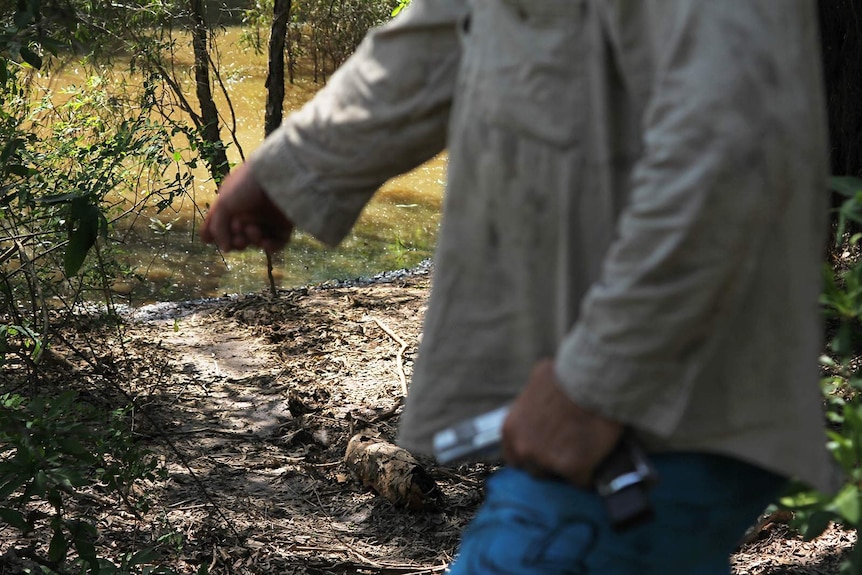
(632, 235)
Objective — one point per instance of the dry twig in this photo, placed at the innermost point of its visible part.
(399, 357)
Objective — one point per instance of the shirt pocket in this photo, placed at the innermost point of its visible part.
(526, 62)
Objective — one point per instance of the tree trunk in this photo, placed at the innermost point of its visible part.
(275, 74)
(216, 157)
(841, 52)
(291, 56)
(841, 38)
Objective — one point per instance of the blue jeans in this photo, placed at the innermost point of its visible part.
(702, 505)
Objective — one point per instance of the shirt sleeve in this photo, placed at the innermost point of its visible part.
(382, 113)
(701, 199)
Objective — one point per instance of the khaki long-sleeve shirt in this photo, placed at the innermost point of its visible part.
(635, 188)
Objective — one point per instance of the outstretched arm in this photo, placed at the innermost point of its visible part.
(382, 113)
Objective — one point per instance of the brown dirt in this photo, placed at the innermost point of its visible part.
(250, 402)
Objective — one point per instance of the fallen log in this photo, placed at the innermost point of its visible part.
(391, 472)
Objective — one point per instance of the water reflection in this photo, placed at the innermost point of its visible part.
(397, 229)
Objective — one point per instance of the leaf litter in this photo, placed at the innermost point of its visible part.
(250, 402)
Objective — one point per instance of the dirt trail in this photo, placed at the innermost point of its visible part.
(259, 397)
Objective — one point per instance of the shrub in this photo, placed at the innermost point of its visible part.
(842, 305)
(73, 168)
(52, 448)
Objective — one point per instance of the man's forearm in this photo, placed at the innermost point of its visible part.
(384, 112)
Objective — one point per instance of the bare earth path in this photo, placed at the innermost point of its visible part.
(258, 397)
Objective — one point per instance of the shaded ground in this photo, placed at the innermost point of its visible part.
(251, 401)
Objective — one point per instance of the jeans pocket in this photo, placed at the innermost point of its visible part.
(511, 539)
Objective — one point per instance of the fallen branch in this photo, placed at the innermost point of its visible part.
(399, 357)
(392, 472)
(324, 566)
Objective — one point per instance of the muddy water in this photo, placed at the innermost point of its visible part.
(397, 229)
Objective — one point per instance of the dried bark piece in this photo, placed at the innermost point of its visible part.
(392, 472)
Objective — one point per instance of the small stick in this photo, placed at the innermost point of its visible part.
(400, 355)
(272, 290)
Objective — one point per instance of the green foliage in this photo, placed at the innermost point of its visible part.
(326, 31)
(850, 210)
(842, 305)
(74, 168)
(257, 20)
(402, 4)
(52, 449)
(30, 341)
(335, 28)
(20, 37)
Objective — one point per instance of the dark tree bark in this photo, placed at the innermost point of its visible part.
(275, 89)
(841, 53)
(841, 39)
(216, 156)
(275, 73)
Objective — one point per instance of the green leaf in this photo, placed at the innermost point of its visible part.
(55, 499)
(18, 170)
(58, 548)
(14, 518)
(802, 499)
(818, 522)
(81, 238)
(831, 295)
(143, 556)
(53, 46)
(72, 446)
(842, 343)
(83, 538)
(23, 18)
(31, 57)
(13, 484)
(39, 486)
(10, 148)
(846, 505)
(852, 211)
(845, 185)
